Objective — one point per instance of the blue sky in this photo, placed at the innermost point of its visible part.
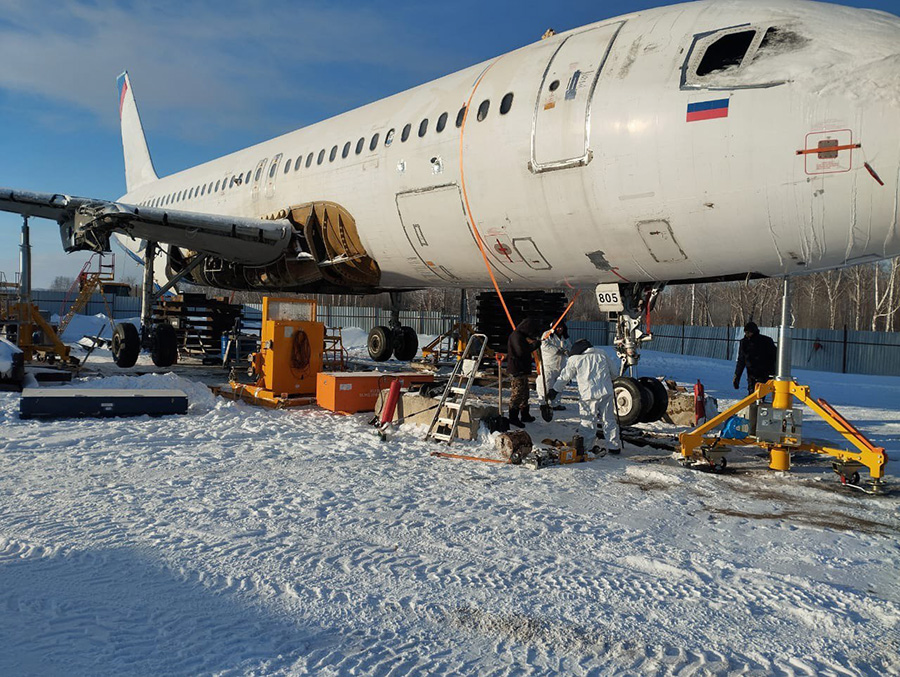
(213, 77)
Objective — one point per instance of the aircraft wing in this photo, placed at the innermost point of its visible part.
(86, 224)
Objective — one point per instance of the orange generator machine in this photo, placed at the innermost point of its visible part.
(292, 343)
(291, 346)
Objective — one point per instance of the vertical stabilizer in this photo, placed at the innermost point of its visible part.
(138, 165)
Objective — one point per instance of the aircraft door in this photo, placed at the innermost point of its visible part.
(437, 229)
(257, 177)
(272, 175)
(562, 116)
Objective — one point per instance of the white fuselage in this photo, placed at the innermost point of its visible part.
(601, 177)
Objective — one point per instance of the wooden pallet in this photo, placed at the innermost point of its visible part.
(199, 322)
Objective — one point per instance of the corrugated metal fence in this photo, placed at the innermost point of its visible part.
(59, 302)
(836, 350)
(427, 322)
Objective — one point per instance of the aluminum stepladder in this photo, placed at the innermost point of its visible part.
(442, 428)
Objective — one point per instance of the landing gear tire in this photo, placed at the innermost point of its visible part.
(405, 344)
(647, 404)
(126, 345)
(164, 347)
(660, 399)
(629, 400)
(379, 344)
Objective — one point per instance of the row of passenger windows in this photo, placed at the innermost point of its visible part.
(296, 164)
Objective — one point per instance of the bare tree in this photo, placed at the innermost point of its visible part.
(62, 283)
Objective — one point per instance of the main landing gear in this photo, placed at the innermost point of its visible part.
(160, 339)
(402, 342)
(638, 400)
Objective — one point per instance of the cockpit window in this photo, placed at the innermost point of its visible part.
(730, 58)
(726, 52)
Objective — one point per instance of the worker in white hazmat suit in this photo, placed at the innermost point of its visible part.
(591, 369)
(555, 345)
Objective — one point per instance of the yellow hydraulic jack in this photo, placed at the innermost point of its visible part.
(25, 317)
(779, 426)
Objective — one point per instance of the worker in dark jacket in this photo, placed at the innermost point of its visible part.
(757, 354)
(520, 346)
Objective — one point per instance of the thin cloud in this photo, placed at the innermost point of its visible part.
(243, 60)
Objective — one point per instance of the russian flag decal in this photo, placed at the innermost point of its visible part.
(707, 110)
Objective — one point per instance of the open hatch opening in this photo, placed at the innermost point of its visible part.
(726, 52)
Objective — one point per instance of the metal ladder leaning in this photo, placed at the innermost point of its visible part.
(457, 391)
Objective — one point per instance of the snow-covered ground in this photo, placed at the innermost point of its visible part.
(244, 541)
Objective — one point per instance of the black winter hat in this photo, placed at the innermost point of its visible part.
(751, 327)
(580, 346)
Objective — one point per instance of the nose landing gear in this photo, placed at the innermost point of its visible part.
(638, 400)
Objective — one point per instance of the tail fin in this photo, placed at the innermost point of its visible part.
(138, 165)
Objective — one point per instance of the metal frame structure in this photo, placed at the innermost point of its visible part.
(698, 445)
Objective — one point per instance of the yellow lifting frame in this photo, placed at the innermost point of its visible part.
(28, 316)
(868, 455)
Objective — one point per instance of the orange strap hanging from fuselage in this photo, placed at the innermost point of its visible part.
(478, 239)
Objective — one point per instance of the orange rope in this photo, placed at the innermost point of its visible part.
(566, 311)
(462, 176)
(471, 217)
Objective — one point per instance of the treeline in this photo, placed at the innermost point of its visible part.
(863, 298)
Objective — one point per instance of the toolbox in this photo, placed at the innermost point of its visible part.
(351, 391)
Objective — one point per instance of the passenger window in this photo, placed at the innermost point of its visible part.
(210, 186)
(441, 123)
(203, 189)
(346, 151)
(255, 178)
(359, 145)
(217, 186)
(247, 178)
(423, 127)
(272, 169)
(459, 117)
(309, 159)
(321, 157)
(332, 154)
(231, 183)
(554, 85)
(389, 138)
(726, 52)
(373, 144)
(404, 135)
(190, 193)
(506, 103)
(298, 162)
(287, 166)
(483, 109)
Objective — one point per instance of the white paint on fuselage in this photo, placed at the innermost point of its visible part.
(659, 198)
